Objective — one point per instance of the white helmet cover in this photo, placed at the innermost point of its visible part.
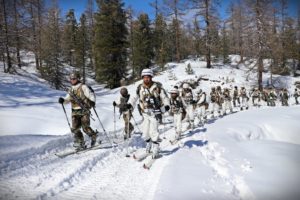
(147, 72)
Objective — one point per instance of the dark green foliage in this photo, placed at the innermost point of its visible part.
(81, 46)
(142, 44)
(110, 42)
(69, 37)
(160, 43)
(51, 69)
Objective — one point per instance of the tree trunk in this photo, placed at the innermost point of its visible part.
(16, 33)
(207, 42)
(8, 59)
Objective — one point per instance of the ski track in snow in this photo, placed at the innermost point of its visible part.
(100, 174)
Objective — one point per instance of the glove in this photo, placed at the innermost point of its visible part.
(167, 108)
(129, 106)
(61, 100)
(114, 104)
(92, 103)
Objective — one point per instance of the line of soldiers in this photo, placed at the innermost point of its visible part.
(153, 101)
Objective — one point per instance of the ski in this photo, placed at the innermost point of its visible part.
(149, 162)
(139, 156)
(71, 152)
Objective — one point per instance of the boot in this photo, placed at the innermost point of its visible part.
(148, 146)
(93, 139)
(155, 150)
(79, 146)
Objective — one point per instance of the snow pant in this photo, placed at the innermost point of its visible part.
(81, 119)
(201, 113)
(178, 124)
(150, 133)
(284, 102)
(190, 114)
(272, 102)
(227, 106)
(296, 100)
(244, 102)
(150, 127)
(214, 106)
(128, 126)
(255, 101)
(236, 99)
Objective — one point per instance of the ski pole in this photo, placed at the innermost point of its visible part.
(115, 122)
(136, 124)
(66, 116)
(102, 127)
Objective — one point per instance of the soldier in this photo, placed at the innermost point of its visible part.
(256, 96)
(220, 99)
(244, 98)
(177, 111)
(201, 107)
(227, 101)
(284, 96)
(272, 97)
(125, 110)
(188, 100)
(236, 96)
(151, 98)
(296, 95)
(214, 101)
(82, 100)
(265, 96)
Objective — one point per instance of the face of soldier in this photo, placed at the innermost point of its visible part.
(147, 80)
(173, 95)
(74, 81)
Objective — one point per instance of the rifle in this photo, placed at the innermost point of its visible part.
(80, 103)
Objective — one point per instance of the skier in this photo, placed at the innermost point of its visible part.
(82, 100)
(214, 101)
(227, 101)
(125, 109)
(220, 99)
(272, 97)
(236, 96)
(202, 105)
(177, 111)
(284, 96)
(151, 97)
(188, 100)
(256, 96)
(296, 95)
(244, 98)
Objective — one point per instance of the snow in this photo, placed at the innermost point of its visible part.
(252, 154)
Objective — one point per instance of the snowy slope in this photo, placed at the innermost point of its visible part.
(246, 155)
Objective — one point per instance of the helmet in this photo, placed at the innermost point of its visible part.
(147, 72)
(124, 91)
(200, 91)
(75, 75)
(235, 87)
(174, 91)
(185, 86)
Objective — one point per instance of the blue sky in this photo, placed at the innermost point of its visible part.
(144, 6)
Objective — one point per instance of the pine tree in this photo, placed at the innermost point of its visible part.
(81, 47)
(143, 52)
(69, 37)
(51, 69)
(110, 42)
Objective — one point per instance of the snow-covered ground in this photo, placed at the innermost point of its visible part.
(251, 154)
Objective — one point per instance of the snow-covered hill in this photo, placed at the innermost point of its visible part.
(250, 154)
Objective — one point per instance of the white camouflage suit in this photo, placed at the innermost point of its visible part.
(201, 110)
(187, 99)
(176, 110)
(227, 101)
(150, 122)
(244, 98)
